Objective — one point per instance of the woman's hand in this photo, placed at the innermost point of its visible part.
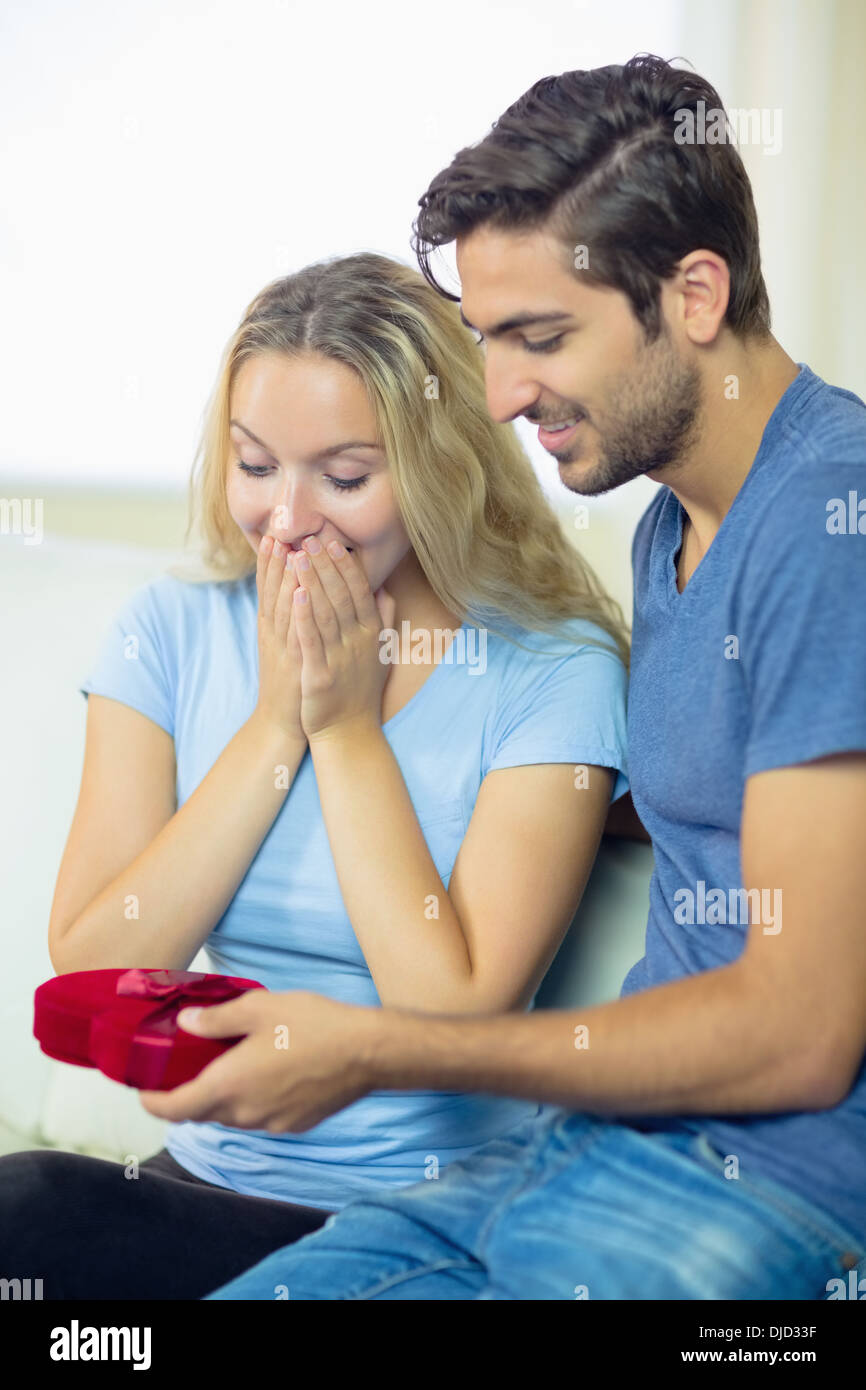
(303, 1058)
(338, 621)
(279, 699)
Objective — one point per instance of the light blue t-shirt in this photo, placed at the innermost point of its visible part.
(759, 663)
(186, 656)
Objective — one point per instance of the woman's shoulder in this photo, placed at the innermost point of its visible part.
(174, 597)
(578, 639)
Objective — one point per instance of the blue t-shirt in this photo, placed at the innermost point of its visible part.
(186, 656)
(707, 712)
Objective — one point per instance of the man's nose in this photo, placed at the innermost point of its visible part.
(509, 392)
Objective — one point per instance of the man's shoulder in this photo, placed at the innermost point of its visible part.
(823, 429)
(813, 453)
(818, 466)
(821, 409)
(647, 523)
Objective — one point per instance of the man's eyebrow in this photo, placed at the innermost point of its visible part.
(331, 450)
(516, 321)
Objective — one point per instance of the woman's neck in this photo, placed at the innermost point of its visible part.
(415, 600)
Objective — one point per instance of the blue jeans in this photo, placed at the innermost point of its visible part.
(568, 1206)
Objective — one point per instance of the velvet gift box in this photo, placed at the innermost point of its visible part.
(125, 1022)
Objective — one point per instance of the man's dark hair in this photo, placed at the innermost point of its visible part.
(593, 156)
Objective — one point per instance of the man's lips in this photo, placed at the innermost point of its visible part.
(557, 439)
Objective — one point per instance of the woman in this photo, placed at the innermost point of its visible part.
(258, 781)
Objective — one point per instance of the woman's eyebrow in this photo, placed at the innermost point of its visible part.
(322, 453)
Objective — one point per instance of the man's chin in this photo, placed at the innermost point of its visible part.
(583, 475)
(593, 476)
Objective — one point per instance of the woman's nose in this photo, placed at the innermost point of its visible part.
(293, 518)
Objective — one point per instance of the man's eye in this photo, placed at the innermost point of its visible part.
(548, 345)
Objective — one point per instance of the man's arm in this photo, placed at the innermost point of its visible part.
(783, 1027)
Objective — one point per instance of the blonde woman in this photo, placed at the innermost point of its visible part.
(414, 831)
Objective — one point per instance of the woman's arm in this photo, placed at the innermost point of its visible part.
(141, 884)
(484, 945)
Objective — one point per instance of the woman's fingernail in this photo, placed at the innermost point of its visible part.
(313, 544)
(303, 561)
(188, 1016)
(335, 549)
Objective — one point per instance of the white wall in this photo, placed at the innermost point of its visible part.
(804, 58)
(165, 159)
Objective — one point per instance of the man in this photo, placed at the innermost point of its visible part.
(705, 1132)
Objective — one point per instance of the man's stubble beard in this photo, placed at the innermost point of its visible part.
(652, 421)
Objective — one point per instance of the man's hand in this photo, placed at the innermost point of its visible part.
(304, 1057)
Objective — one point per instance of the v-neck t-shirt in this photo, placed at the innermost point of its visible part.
(759, 663)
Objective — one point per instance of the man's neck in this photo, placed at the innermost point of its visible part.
(708, 478)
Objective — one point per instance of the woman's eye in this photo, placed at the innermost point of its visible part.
(254, 470)
(547, 345)
(346, 484)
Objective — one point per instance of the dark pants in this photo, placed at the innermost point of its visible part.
(88, 1232)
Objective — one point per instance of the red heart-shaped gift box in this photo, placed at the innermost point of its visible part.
(125, 1022)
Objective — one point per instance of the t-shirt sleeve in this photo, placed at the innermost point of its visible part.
(135, 662)
(803, 643)
(568, 708)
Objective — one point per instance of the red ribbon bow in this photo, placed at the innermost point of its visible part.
(153, 1039)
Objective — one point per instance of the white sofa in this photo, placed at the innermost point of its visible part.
(60, 598)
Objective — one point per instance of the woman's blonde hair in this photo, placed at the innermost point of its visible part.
(485, 535)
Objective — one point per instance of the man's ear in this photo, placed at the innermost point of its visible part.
(702, 287)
